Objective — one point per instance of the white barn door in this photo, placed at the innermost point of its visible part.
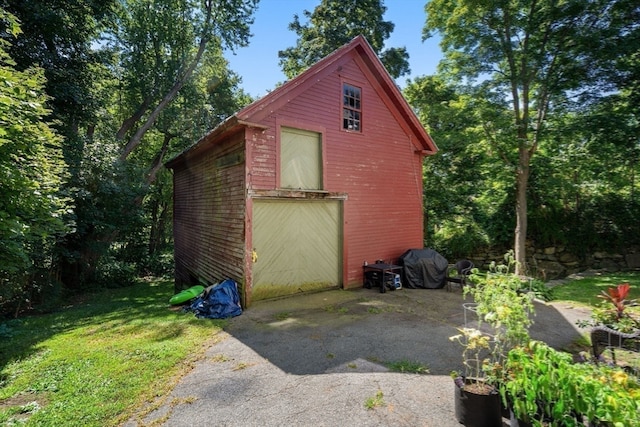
(298, 244)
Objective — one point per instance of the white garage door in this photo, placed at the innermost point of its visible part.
(298, 246)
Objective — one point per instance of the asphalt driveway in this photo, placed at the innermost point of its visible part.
(320, 359)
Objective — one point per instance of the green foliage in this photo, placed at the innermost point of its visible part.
(161, 263)
(57, 37)
(615, 311)
(406, 366)
(32, 172)
(107, 65)
(502, 312)
(474, 209)
(516, 60)
(503, 303)
(578, 146)
(541, 383)
(334, 23)
(375, 401)
(456, 237)
(114, 273)
(104, 194)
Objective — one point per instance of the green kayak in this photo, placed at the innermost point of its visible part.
(186, 295)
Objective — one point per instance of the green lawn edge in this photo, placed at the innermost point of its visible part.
(98, 362)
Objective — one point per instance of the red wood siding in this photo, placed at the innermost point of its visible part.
(376, 173)
(378, 168)
(209, 210)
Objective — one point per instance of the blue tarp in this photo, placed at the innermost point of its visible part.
(219, 301)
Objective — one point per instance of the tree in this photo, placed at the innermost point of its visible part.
(167, 39)
(161, 108)
(124, 99)
(32, 171)
(57, 36)
(525, 58)
(465, 188)
(334, 23)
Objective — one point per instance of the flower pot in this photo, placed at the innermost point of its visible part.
(515, 422)
(477, 404)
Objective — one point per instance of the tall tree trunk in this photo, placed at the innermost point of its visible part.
(520, 234)
(157, 161)
(131, 121)
(135, 140)
(157, 235)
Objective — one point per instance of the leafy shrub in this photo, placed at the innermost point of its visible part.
(161, 263)
(114, 273)
(457, 238)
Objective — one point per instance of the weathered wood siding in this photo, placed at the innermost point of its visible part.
(209, 210)
(378, 168)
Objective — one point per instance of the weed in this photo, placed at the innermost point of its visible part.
(375, 401)
(218, 358)
(240, 366)
(283, 316)
(183, 400)
(406, 366)
(334, 309)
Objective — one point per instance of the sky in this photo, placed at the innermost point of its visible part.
(257, 64)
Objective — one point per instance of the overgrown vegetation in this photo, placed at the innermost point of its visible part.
(96, 361)
(90, 111)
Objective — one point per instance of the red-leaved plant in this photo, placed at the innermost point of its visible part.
(614, 315)
(618, 297)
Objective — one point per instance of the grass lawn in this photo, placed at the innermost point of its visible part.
(97, 361)
(585, 290)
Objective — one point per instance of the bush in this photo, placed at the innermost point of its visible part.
(456, 239)
(114, 273)
(161, 263)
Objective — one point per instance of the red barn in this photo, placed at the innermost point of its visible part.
(295, 191)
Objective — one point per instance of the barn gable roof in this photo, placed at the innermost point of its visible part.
(360, 51)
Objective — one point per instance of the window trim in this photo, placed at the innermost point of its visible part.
(344, 107)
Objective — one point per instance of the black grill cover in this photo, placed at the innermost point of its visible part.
(424, 268)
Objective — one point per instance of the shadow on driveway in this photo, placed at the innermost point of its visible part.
(324, 332)
(319, 360)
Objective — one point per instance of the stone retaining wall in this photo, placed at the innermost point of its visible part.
(556, 262)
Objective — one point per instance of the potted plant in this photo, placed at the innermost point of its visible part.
(545, 387)
(476, 399)
(535, 383)
(502, 316)
(612, 325)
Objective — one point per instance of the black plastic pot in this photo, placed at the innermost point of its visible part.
(477, 410)
(515, 422)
